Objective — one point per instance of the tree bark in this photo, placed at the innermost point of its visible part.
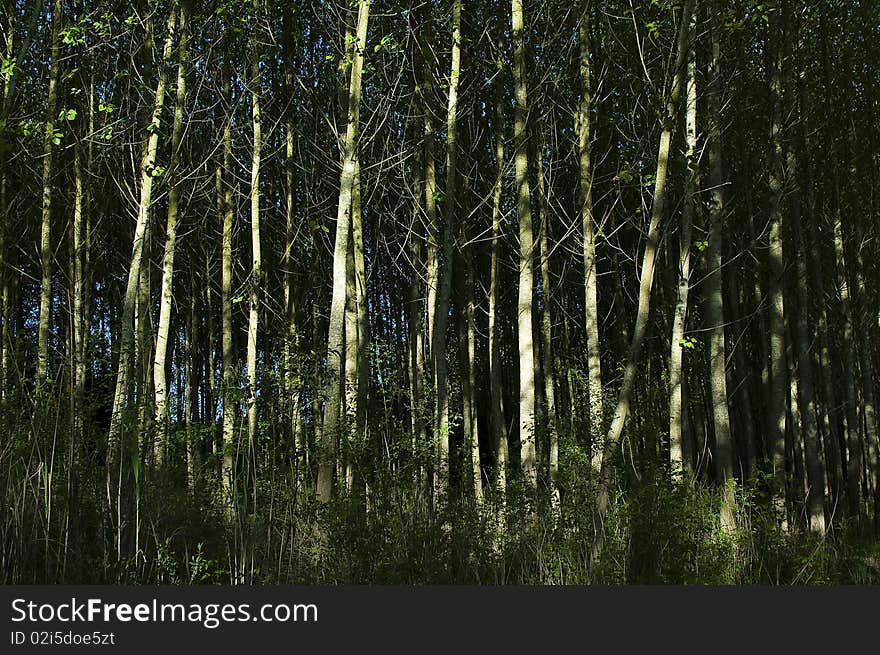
(159, 382)
(45, 316)
(225, 181)
(496, 417)
(585, 185)
(526, 254)
(602, 461)
(134, 284)
(680, 452)
(715, 303)
(336, 333)
(441, 317)
(257, 275)
(547, 359)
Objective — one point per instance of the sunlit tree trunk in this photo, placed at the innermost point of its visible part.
(5, 327)
(526, 264)
(350, 398)
(159, 382)
(78, 334)
(602, 461)
(680, 454)
(433, 262)
(585, 188)
(225, 181)
(134, 284)
(415, 311)
(415, 305)
(257, 276)
(336, 334)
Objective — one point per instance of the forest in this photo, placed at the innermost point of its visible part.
(440, 291)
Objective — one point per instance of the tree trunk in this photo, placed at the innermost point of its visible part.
(547, 359)
(77, 342)
(602, 461)
(225, 181)
(441, 318)
(715, 304)
(526, 264)
(779, 384)
(159, 382)
(585, 185)
(257, 276)
(496, 416)
(291, 348)
(680, 454)
(134, 283)
(336, 333)
(46, 225)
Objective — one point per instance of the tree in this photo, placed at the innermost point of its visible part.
(336, 337)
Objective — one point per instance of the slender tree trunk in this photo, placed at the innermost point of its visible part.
(646, 279)
(350, 398)
(779, 384)
(547, 359)
(679, 452)
(466, 336)
(585, 185)
(441, 318)
(134, 285)
(225, 180)
(433, 264)
(357, 326)
(415, 303)
(46, 225)
(416, 342)
(336, 334)
(78, 334)
(5, 328)
(193, 373)
(159, 382)
(715, 304)
(853, 445)
(257, 275)
(526, 264)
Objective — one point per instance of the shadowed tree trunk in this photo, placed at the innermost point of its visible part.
(46, 224)
(715, 305)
